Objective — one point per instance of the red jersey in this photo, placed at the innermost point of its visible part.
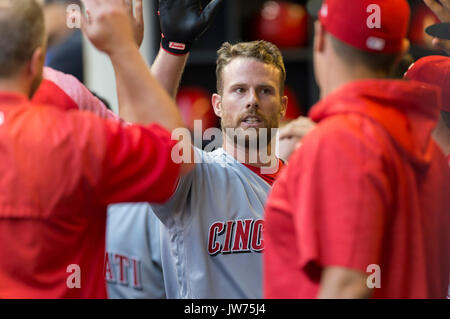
(269, 178)
(368, 187)
(58, 172)
(49, 93)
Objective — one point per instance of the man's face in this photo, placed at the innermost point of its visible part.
(251, 97)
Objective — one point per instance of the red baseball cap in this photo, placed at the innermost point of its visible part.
(369, 25)
(433, 70)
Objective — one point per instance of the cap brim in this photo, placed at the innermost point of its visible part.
(440, 30)
(313, 7)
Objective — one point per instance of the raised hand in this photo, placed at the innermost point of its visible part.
(183, 21)
(107, 25)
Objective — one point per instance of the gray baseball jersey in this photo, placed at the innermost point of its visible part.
(133, 258)
(211, 237)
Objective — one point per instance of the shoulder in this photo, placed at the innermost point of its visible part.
(341, 139)
(351, 130)
(78, 92)
(61, 79)
(218, 165)
(70, 85)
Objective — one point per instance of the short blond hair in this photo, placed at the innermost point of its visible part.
(260, 50)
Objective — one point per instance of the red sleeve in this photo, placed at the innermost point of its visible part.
(110, 161)
(138, 164)
(51, 94)
(341, 193)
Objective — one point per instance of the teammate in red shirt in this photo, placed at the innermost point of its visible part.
(59, 170)
(363, 208)
(435, 70)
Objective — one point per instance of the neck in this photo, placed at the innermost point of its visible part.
(340, 74)
(9, 85)
(260, 157)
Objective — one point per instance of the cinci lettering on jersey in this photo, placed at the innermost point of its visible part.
(236, 236)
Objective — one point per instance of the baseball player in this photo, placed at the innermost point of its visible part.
(435, 70)
(133, 267)
(362, 210)
(211, 238)
(207, 248)
(60, 169)
(212, 226)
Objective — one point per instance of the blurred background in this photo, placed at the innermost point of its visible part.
(285, 23)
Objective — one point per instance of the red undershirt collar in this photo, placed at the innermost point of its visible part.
(269, 178)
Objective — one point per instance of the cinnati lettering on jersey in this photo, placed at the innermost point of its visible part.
(123, 269)
(236, 236)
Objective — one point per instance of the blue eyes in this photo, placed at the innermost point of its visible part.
(263, 91)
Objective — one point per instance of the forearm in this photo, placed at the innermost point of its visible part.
(141, 98)
(344, 292)
(168, 70)
(343, 283)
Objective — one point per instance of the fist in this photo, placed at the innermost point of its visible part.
(292, 134)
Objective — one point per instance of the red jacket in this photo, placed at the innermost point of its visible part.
(368, 187)
(58, 172)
